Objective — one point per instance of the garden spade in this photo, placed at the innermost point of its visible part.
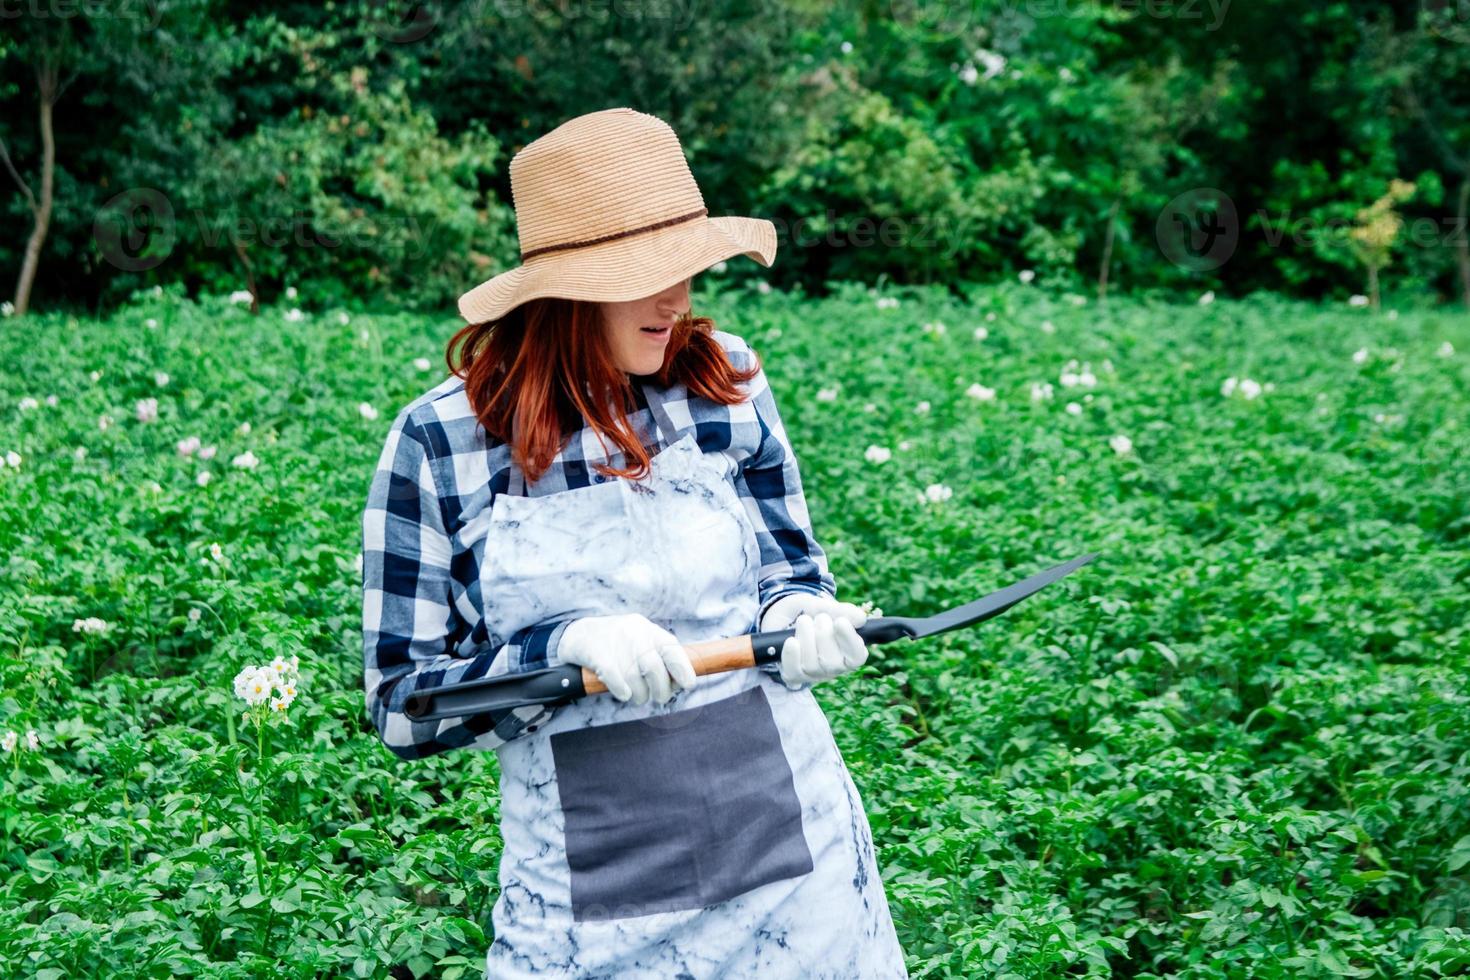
(568, 682)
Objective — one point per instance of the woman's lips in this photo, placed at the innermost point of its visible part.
(657, 333)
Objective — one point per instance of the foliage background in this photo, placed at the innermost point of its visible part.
(358, 147)
(1235, 745)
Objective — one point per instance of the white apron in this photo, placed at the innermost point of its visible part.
(718, 835)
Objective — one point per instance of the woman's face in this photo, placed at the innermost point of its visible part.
(638, 330)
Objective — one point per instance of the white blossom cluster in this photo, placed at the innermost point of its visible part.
(274, 683)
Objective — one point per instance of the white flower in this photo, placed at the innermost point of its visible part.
(367, 411)
(922, 408)
(979, 392)
(202, 478)
(343, 319)
(89, 625)
(1048, 327)
(1073, 408)
(194, 614)
(244, 429)
(290, 292)
(870, 407)
(867, 606)
(12, 458)
(934, 493)
(827, 395)
(887, 302)
(160, 378)
(95, 375)
(28, 403)
(763, 287)
(1066, 75)
(81, 452)
(241, 297)
(1228, 388)
(1360, 355)
(905, 446)
(216, 552)
(1071, 376)
(969, 74)
(1446, 349)
(293, 315)
(33, 740)
(246, 460)
(877, 454)
(187, 447)
(1040, 391)
(422, 363)
(718, 267)
(7, 308)
(934, 327)
(147, 409)
(1249, 389)
(981, 333)
(51, 400)
(846, 49)
(254, 684)
(8, 740)
(1207, 298)
(1121, 444)
(1357, 301)
(151, 323)
(103, 421)
(1026, 275)
(208, 452)
(994, 63)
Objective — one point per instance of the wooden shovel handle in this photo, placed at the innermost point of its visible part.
(714, 656)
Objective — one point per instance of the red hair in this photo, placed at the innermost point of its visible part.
(535, 374)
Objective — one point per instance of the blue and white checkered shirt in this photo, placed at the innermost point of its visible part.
(422, 619)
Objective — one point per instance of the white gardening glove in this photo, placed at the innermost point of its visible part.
(634, 657)
(826, 643)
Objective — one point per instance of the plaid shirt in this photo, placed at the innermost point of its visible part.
(422, 611)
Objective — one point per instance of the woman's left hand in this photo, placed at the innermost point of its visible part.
(826, 643)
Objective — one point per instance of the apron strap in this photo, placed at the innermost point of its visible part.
(668, 433)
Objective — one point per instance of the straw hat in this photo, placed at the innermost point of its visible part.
(607, 210)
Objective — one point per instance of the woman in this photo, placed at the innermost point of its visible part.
(601, 479)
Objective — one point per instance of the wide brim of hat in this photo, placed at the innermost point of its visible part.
(623, 269)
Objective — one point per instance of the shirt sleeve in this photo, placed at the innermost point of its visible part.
(410, 628)
(769, 484)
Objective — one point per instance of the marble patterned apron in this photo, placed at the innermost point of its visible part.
(717, 835)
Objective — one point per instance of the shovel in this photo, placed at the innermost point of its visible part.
(568, 682)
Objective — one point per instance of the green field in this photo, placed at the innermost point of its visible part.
(1236, 745)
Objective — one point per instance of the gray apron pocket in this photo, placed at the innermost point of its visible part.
(678, 811)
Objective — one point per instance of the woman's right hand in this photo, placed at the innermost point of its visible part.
(634, 657)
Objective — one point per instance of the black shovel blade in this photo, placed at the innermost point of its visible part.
(888, 628)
